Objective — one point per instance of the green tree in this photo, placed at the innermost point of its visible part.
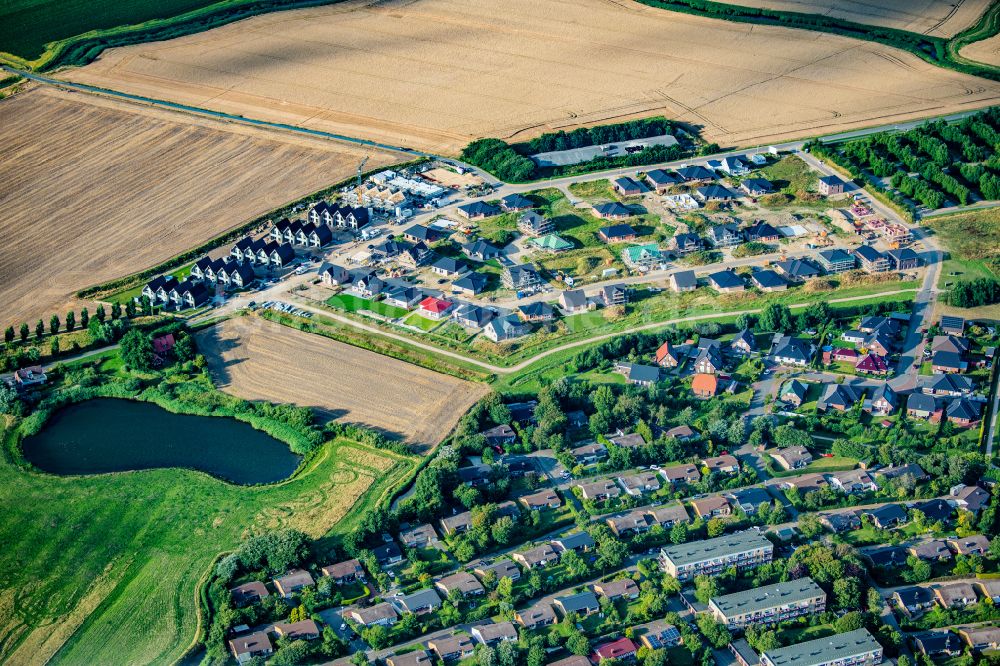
(54, 347)
(70, 320)
(8, 335)
(579, 644)
(100, 314)
(24, 332)
(84, 318)
(716, 526)
(8, 398)
(54, 324)
(39, 329)
(137, 350)
(679, 533)
(715, 632)
(705, 587)
(849, 622)
(116, 310)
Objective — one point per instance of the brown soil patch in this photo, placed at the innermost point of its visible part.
(940, 18)
(259, 360)
(95, 189)
(433, 74)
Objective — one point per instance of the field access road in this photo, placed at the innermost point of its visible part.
(410, 341)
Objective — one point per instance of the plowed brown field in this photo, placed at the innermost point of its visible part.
(259, 360)
(433, 74)
(94, 189)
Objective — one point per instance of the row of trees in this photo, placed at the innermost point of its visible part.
(974, 293)
(591, 136)
(67, 325)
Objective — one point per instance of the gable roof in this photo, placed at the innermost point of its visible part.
(617, 231)
(476, 208)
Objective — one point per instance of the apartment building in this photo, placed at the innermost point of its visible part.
(745, 550)
(769, 604)
(852, 648)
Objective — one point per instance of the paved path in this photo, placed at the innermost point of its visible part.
(409, 340)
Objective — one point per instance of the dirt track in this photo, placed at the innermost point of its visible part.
(432, 74)
(259, 360)
(95, 189)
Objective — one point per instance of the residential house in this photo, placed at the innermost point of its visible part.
(725, 235)
(589, 453)
(303, 630)
(537, 311)
(888, 557)
(792, 457)
(970, 498)
(835, 261)
(515, 203)
(793, 393)
(448, 267)
(551, 243)
(245, 648)
(639, 484)
(726, 282)
(415, 658)
(627, 187)
(640, 375)
(30, 376)
(539, 556)
(872, 364)
(539, 615)
(542, 499)
(937, 643)
(477, 210)
(951, 325)
(621, 650)
(683, 281)
(686, 243)
(344, 572)
(534, 225)
(955, 595)
(419, 536)
(923, 406)
(624, 588)
(248, 593)
(419, 602)
(963, 412)
(668, 356)
(748, 500)
(661, 180)
(711, 507)
(696, 174)
(797, 270)
(500, 569)
(841, 522)
(387, 554)
(871, 260)
(976, 544)
(599, 491)
(366, 284)
(403, 297)
(682, 474)
(419, 233)
(434, 308)
(452, 648)
(883, 401)
(480, 250)
(581, 603)
(292, 582)
(830, 185)
(521, 277)
(613, 210)
(494, 633)
(787, 350)
(887, 516)
(470, 284)
(734, 165)
(903, 259)
(744, 343)
(705, 385)
(580, 542)
(630, 441)
(762, 232)
(614, 294)
(757, 187)
(573, 301)
(642, 257)
(464, 583)
(714, 192)
(981, 637)
(618, 233)
(381, 614)
(658, 634)
(852, 481)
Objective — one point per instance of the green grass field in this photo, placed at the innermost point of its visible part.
(350, 303)
(103, 569)
(26, 26)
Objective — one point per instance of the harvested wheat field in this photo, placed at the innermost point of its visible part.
(433, 74)
(95, 189)
(259, 360)
(985, 51)
(939, 18)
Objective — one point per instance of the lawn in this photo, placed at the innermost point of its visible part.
(594, 191)
(103, 569)
(795, 635)
(349, 303)
(791, 175)
(424, 324)
(973, 243)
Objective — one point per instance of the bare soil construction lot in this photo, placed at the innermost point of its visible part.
(433, 74)
(939, 18)
(95, 189)
(259, 360)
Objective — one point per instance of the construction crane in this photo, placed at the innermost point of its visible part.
(360, 167)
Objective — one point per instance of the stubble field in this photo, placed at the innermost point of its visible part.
(259, 360)
(95, 189)
(434, 74)
(939, 18)
(985, 51)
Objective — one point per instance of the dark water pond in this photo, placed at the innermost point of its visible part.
(110, 435)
